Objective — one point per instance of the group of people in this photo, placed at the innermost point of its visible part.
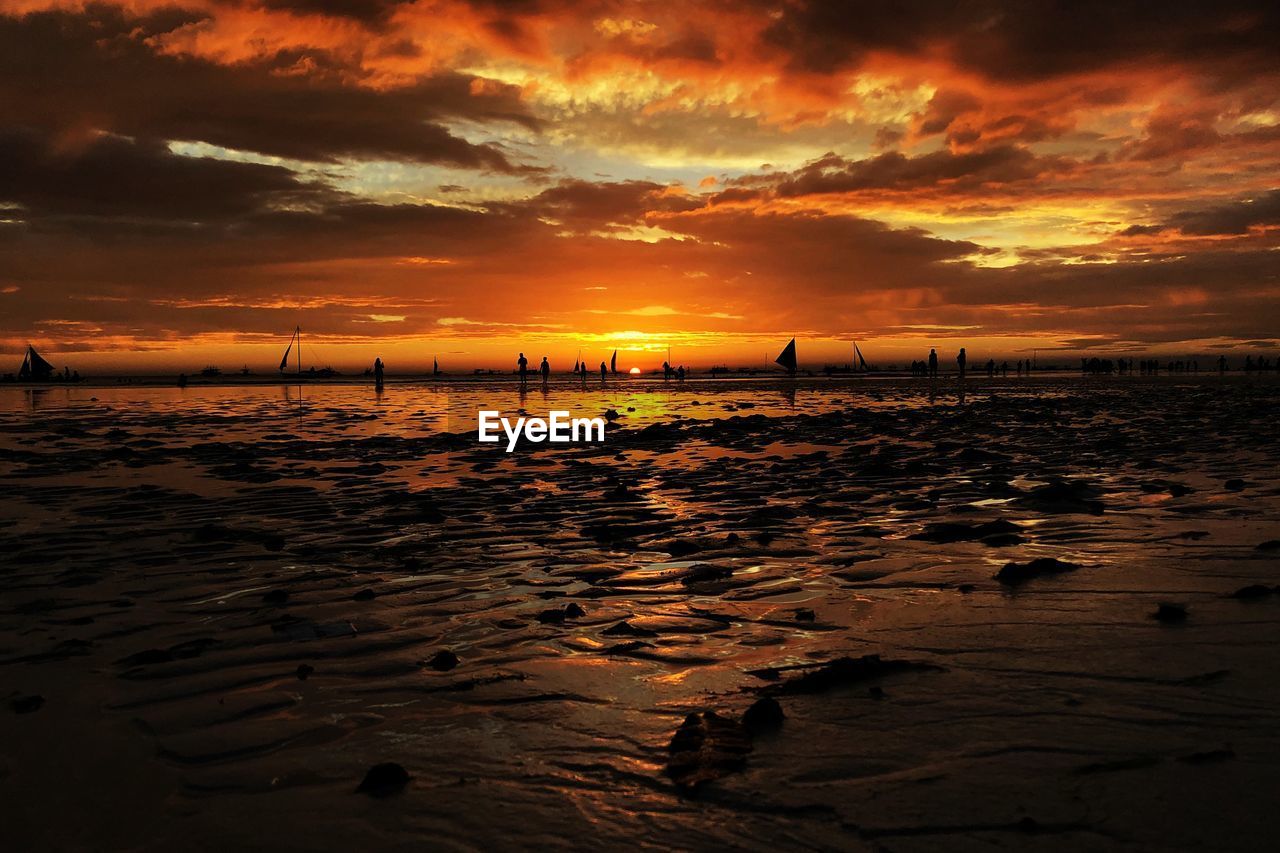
(928, 368)
(923, 368)
(1262, 364)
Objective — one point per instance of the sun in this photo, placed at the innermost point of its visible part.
(635, 371)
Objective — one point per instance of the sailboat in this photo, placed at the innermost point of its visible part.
(859, 363)
(34, 368)
(323, 373)
(297, 338)
(787, 358)
(613, 362)
(435, 366)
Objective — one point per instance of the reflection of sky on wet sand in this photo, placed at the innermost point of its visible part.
(191, 505)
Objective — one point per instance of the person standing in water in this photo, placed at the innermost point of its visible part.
(604, 372)
(545, 370)
(933, 363)
(524, 370)
(377, 372)
(960, 361)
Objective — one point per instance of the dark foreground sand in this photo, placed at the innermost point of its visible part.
(171, 560)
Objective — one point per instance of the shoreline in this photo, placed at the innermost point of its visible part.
(622, 380)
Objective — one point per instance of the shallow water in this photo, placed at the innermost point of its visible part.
(143, 527)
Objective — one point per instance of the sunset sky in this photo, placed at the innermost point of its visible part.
(184, 181)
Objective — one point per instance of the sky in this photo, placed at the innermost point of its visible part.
(183, 182)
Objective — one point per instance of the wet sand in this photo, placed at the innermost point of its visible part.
(220, 607)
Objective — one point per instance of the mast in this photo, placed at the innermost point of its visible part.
(297, 331)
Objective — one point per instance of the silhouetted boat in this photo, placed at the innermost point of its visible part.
(787, 358)
(613, 362)
(859, 362)
(297, 338)
(211, 372)
(311, 373)
(34, 368)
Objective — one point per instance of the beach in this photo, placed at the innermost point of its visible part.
(221, 606)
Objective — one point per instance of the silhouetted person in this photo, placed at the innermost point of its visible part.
(1004, 369)
(991, 367)
(604, 371)
(666, 370)
(680, 373)
(377, 372)
(182, 380)
(545, 370)
(1222, 364)
(524, 369)
(933, 364)
(960, 362)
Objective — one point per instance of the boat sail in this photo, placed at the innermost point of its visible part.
(297, 338)
(787, 358)
(860, 365)
(613, 362)
(34, 368)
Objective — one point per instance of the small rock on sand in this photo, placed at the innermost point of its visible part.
(26, 704)
(276, 597)
(764, 715)
(557, 615)
(383, 780)
(1252, 591)
(1016, 573)
(707, 746)
(443, 661)
(1170, 613)
(626, 629)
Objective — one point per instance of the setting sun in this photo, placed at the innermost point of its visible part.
(635, 371)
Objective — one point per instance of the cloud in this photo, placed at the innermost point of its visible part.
(101, 71)
(207, 170)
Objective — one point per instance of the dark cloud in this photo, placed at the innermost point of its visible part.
(943, 109)
(365, 11)
(965, 172)
(111, 176)
(99, 71)
(588, 206)
(1231, 218)
(1033, 39)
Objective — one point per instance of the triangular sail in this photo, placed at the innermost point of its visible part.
(284, 361)
(575, 365)
(613, 362)
(435, 366)
(787, 358)
(35, 367)
(862, 362)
